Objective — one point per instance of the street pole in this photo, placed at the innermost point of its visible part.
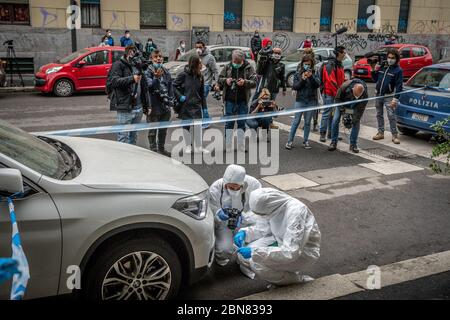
(74, 29)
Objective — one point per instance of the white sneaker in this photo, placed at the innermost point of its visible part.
(201, 150)
(188, 149)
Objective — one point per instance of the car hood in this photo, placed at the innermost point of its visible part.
(362, 61)
(118, 166)
(174, 64)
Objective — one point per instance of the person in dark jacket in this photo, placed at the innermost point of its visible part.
(261, 105)
(271, 72)
(256, 44)
(306, 84)
(351, 90)
(332, 77)
(129, 95)
(189, 90)
(237, 79)
(389, 79)
(160, 85)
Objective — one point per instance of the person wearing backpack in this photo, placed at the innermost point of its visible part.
(128, 95)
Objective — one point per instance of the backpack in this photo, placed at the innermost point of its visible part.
(111, 93)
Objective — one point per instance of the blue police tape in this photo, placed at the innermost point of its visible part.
(190, 122)
(20, 278)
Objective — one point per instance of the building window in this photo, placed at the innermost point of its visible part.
(403, 16)
(232, 18)
(90, 13)
(14, 12)
(326, 12)
(361, 25)
(283, 17)
(153, 13)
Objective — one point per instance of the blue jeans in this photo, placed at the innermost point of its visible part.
(335, 129)
(380, 104)
(205, 112)
(231, 109)
(263, 122)
(130, 117)
(298, 118)
(325, 123)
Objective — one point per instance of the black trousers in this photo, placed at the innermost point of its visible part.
(157, 138)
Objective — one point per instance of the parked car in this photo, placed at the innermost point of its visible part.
(412, 58)
(86, 69)
(2, 73)
(137, 226)
(444, 55)
(221, 53)
(322, 54)
(419, 110)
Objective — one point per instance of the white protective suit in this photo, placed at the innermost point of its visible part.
(220, 197)
(285, 239)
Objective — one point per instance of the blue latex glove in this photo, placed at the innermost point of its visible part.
(222, 215)
(182, 98)
(245, 252)
(8, 267)
(239, 238)
(239, 222)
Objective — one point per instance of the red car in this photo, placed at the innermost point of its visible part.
(412, 58)
(86, 69)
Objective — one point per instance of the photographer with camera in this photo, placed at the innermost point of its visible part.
(228, 198)
(351, 90)
(237, 79)
(162, 98)
(305, 84)
(128, 95)
(389, 78)
(261, 105)
(270, 71)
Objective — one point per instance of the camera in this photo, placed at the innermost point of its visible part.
(217, 95)
(8, 43)
(166, 99)
(266, 102)
(347, 121)
(140, 61)
(233, 85)
(234, 217)
(375, 57)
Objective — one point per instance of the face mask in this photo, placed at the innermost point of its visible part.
(276, 56)
(150, 42)
(157, 65)
(306, 67)
(233, 193)
(127, 36)
(183, 46)
(109, 34)
(256, 34)
(199, 51)
(391, 62)
(236, 65)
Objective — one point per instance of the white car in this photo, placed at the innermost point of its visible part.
(136, 225)
(221, 53)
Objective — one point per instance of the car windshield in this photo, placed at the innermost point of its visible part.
(431, 77)
(294, 56)
(72, 56)
(188, 54)
(30, 151)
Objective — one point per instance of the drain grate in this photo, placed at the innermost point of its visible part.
(390, 154)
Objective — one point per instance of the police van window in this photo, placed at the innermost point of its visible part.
(438, 78)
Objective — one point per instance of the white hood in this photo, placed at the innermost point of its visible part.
(112, 165)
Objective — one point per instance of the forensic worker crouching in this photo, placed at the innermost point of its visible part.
(229, 199)
(283, 243)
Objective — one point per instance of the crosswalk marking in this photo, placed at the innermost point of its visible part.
(290, 181)
(391, 167)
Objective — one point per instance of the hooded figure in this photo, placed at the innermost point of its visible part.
(233, 191)
(285, 240)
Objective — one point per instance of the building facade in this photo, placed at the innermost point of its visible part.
(40, 30)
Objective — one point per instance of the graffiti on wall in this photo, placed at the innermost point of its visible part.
(431, 27)
(257, 23)
(47, 17)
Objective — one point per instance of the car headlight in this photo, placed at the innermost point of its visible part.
(195, 206)
(53, 70)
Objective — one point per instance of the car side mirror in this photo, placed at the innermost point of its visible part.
(11, 181)
(81, 63)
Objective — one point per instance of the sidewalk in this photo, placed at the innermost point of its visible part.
(17, 89)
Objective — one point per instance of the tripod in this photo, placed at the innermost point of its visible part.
(11, 59)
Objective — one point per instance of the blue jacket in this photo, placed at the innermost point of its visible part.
(124, 42)
(111, 41)
(154, 84)
(389, 80)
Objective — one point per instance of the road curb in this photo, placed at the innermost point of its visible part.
(17, 89)
(336, 286)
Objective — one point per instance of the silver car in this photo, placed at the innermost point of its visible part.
(126, 222)
(322, 54)
(221, 53)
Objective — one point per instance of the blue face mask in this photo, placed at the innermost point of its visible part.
(306, 67)
(236, 66)
(157, 65)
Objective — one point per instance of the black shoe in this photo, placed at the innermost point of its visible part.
(164, 153)
(340, 138)
(354, 148)
(323, 137)
(332, 147)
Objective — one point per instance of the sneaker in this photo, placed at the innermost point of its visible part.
(323, 137)
(332, 147)
(315, 129)
(354, 148)
(205, 126)
(378, 136)
(306, 145)
(289, 145)
(188, 149)
(201, 150)
(164, 153)
(395, 139)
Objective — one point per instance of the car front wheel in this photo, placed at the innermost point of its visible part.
(63, 88)
(140, 269)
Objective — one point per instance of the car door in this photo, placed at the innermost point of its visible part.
(40, 231)
(220, 54)
(406, 62)
(92, 75)
(419, 58)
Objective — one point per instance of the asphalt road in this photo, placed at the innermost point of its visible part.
(365, 221)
